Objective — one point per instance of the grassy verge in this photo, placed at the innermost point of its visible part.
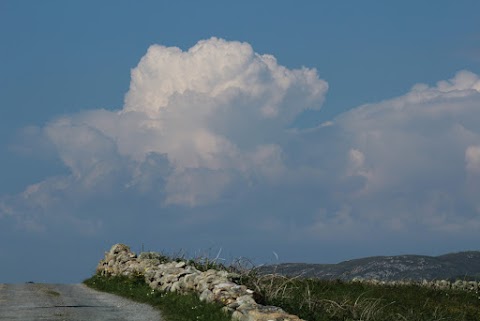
(310, 299)
(174, 307)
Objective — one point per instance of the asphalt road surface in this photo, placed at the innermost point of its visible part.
(68, 302)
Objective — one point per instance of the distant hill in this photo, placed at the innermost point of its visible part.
(462, 265)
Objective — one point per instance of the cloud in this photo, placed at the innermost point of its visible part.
(194, 124)
(472, 167)
(215, 112)
(205, 136)
(472, 158)
(405, 157)
(219, 73)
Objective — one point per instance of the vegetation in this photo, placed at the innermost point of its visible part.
(310, 299)
(321, 300)
(174, 307)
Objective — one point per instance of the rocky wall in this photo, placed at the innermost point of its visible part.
(211, 285)
(459, 285)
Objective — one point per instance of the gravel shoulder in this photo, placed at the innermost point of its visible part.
(72, 302)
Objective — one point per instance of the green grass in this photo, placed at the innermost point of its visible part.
(174, 307)
(310, 299)
(320, 300)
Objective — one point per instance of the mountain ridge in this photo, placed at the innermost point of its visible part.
(456, 265)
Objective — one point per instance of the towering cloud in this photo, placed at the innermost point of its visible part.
(194, 123)
(208, 129)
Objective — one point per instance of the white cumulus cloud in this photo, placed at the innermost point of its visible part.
(221, 72)
(205, 131)
(194, 123)
(405, 157)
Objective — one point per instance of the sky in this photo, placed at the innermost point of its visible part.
(277, 131)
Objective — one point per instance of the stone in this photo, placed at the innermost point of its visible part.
(187, 282)
(211, 285)
(207, 296)
(175, 287)
(118, 248)
(266, 313)
(180, 264)
(245, 300)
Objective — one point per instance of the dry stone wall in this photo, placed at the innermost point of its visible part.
(211, 285)
(458, 285)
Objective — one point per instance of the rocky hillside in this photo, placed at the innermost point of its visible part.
(462, 265)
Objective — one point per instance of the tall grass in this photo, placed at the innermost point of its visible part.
(322, 300)
(310, 299)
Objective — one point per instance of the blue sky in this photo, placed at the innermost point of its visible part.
(320, 130)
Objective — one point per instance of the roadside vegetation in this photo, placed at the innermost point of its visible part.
(310, 299)
(174, 307)
(321, 300)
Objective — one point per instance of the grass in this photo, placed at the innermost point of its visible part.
(174, 307)
(310, 299)
(321, 300)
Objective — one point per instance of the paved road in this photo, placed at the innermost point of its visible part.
(68, 302)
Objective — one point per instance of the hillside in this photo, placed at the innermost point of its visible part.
(388, 268)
